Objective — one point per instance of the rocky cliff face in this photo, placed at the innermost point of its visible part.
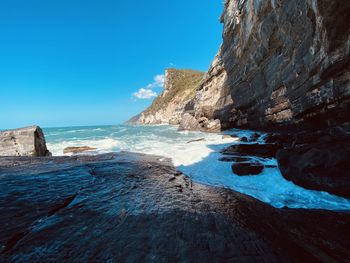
(180, 86)
(282, 63)
(285, 65)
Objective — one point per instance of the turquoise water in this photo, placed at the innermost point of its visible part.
(198, 160)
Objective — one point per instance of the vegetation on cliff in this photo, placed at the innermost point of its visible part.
(180, 84)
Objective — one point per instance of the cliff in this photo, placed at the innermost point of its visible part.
(179, 87)
(281, 64)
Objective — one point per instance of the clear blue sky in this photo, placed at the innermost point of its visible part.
(78, 62)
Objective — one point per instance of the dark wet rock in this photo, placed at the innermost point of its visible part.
(244, 139)
(270, 166)
(62, 205)
(178, 173)
(123, 208)
(255, 136)
(246, 168)
(315, 160)
(196, 140)
(260, 150)
(320, 165)
(336, 134)
(234, 159)
(78, 149)
(172, 178)
(29, 141)
(280, 139)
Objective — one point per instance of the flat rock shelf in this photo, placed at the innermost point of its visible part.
(127, 207)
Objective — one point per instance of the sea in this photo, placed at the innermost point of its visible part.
(195, 154)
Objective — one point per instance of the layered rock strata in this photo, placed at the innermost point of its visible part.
(285, 66)
(281, 64)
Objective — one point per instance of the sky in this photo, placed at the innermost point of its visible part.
(96, 62)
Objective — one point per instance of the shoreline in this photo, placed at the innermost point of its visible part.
(201, 160)
(153, 196)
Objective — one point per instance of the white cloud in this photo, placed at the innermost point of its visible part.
(145, 94)
(158, 82)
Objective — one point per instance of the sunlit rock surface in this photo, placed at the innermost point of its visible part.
(29, 141)
(179, 87)
(136, 208)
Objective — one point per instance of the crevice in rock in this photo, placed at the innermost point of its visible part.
(14, 240)
(62, 205)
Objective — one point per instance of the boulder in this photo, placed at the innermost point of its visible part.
(211, 126)
(243, 139)
(193, 123)
(321, 166)
(28, 141)
(188, 122)
(78, 149)
(261, 150)
(255, 136)
(246, 168)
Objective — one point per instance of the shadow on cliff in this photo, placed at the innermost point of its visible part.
(264, 53)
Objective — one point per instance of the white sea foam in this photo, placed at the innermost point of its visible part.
(102, 145)
(199, 160)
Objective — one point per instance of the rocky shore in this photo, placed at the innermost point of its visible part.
(314, 160)
(130, 207)
(283, 67)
